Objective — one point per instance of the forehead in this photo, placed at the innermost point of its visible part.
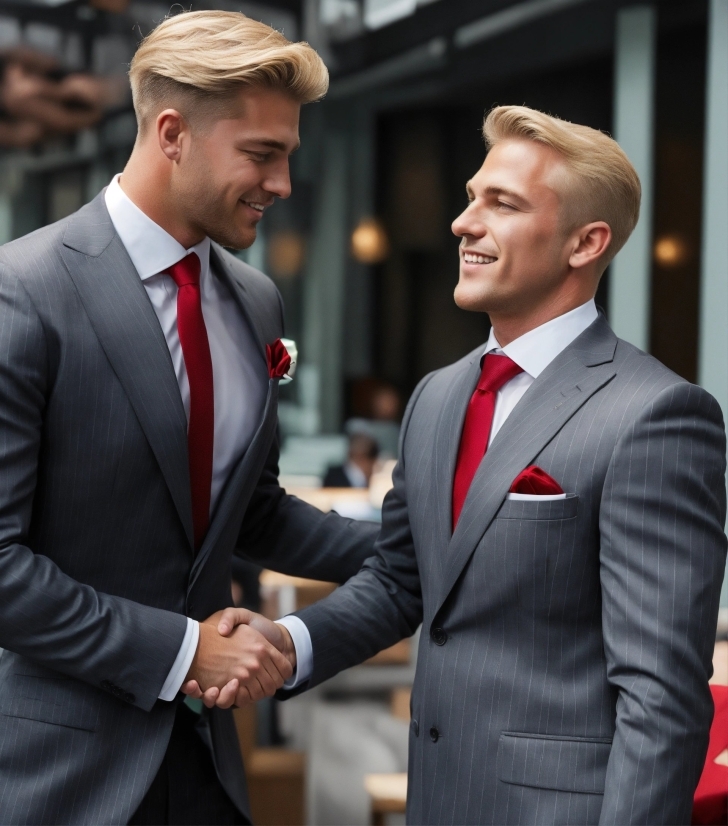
(528, 168)
(266, 112)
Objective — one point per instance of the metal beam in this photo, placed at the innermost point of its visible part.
(509, 18)
(713, 342)
(634, 82)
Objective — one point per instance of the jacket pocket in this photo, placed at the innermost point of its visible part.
(61, 701)
(553, 509)
(572, 764)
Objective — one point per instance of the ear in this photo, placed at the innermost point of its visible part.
(590, 244)
(171, 126)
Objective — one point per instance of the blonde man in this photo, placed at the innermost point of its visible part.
(137, 425)
(556, 523)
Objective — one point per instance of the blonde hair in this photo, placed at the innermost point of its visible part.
(601, 183)
(200, 60)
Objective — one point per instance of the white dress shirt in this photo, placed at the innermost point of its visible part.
(240, 378)
(532, 352)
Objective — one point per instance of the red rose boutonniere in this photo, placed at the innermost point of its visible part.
(278, 358)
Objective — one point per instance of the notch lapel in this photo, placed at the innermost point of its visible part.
(234, 499)
(253, 311)
(566, 385)
(130, 334)
(447, 442)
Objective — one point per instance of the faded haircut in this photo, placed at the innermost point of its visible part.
(197, 62)
(600, 182)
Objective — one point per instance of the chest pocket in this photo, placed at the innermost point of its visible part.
(546, 511)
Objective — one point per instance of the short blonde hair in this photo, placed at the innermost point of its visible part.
(200, 60)
(602, 184)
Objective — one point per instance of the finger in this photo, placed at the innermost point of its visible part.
(209, 698)
(232, 617)
(273, 677)
(254, 688)
(243, 698)
(281, 662)
(268, 683)
(228, 693)
(192, 689)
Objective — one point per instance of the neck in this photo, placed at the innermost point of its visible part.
(146, 183)
(507, 327)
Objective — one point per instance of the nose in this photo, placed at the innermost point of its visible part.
(466, 224)
(278, 181)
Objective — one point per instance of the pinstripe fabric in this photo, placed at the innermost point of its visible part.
(97, 569)
(571, 684)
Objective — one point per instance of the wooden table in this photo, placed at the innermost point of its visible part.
(388, 795)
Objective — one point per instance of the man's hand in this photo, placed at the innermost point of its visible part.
(270, 658)
(237, 667)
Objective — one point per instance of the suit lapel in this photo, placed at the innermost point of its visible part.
(568, 382)
(245, 298)
(129, 332)
(233, 502)
(447, 442)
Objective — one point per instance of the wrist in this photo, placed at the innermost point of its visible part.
(289, 649)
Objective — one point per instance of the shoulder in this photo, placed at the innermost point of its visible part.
(651, 390)
(33, 252)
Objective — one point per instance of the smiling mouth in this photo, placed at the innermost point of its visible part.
(258, 207)
(475, 258)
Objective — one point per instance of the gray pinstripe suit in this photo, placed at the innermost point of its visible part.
(566, 648)
(97, 569)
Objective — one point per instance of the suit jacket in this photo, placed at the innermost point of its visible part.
(97, 563)
(563, 667)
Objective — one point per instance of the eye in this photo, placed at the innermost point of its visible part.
(504, 205)
(259, 157)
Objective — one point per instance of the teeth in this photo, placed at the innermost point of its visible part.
(471, 258)
(259, 207)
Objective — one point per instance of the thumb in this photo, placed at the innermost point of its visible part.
(232, 617)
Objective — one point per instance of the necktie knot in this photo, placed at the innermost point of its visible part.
(187, 271)
(497, 371)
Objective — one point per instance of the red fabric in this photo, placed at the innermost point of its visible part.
(533, 480)
(496, 371)
(198, 362)
(279, 362)
(710, 805)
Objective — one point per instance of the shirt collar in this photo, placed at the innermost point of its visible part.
(537, 348)
(152, 249)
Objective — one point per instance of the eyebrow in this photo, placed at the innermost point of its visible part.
(497, 190)
(273, 144)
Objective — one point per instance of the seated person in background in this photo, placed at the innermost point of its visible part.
(356, 473)
(383, 422)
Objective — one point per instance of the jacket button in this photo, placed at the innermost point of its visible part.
(415, 726)
(434, 734)
(439, 636)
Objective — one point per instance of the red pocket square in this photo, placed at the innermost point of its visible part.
(279, 361)
(533, 480)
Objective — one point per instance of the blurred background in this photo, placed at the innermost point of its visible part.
(364, 257)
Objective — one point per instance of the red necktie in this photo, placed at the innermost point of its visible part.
(497, 370)
(198, 362)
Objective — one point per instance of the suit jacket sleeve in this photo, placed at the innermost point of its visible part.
(382, 604)
(45, 614)
(285, 534)
(663, 551)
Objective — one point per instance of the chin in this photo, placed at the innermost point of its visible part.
(240, 240)
(470, 299)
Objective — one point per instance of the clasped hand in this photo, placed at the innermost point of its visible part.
(241, 657)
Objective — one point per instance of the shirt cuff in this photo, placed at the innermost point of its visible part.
(182, 664)
(304, 650)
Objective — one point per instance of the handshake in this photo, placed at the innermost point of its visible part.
(241, 657)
